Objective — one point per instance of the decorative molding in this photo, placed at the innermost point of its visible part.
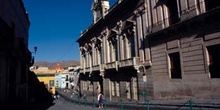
(112, 38)
(119, 24)
(141, 10)
(137, 13)
(105, 32)
(83, 50)
(97, 42)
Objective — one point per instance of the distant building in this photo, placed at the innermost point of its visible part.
(47, 77)
(42, 68)
(67, 78)
(154, 49)
(58, 81)
(57, 78)
(58, 68)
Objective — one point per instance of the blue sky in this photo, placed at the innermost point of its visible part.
(55, 27)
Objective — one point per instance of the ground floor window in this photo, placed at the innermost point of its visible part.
(175, 67)
(214, 60)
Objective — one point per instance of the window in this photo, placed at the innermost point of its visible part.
(214, 61)
(175, 67)
(67, 85)
(116, 51)
(67, 79)
(198, 6)
(173, 11)
(110, 53)
(125, 47)
(51, 83)
(132, 46)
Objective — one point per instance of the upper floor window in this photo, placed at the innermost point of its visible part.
(114, 45)
(173, 11)
(67, 78)
(129, 39)
(172, 14)
(132, 43)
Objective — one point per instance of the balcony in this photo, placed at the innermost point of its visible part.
(95, 68)
(85, 70)
(129, 62)
(110, 65)
(101, 67)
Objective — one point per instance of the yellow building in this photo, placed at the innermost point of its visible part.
(47, 76)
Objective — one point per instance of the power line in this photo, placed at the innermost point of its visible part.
(68, 50)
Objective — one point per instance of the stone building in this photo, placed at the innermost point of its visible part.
(15, 58)
(154, 49)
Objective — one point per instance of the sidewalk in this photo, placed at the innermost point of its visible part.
(174, 104)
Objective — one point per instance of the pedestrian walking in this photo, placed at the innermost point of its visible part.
(54, 97)
(100, 100)
(58, 96)
(84, 96)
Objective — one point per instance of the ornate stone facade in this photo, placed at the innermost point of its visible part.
(154, 49)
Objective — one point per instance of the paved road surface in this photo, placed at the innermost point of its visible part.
(65, 105)
(62, 104)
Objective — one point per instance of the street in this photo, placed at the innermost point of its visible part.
(62, 104)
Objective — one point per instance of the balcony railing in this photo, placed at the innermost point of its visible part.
(110, 65)
(134, 61)
(85, 70)
(102, 67)
(95, 68)
(129, 62)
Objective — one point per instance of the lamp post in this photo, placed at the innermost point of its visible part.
(32, 57)
(93, 85)
(144, 80)
(35, 50)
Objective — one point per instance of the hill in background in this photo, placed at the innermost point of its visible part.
(52, 65)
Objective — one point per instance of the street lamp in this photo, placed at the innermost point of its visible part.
(35, 50)
(144, 80)
(93, 85)
(32, 59)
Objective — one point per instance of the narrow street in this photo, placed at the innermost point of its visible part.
(62, 104)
